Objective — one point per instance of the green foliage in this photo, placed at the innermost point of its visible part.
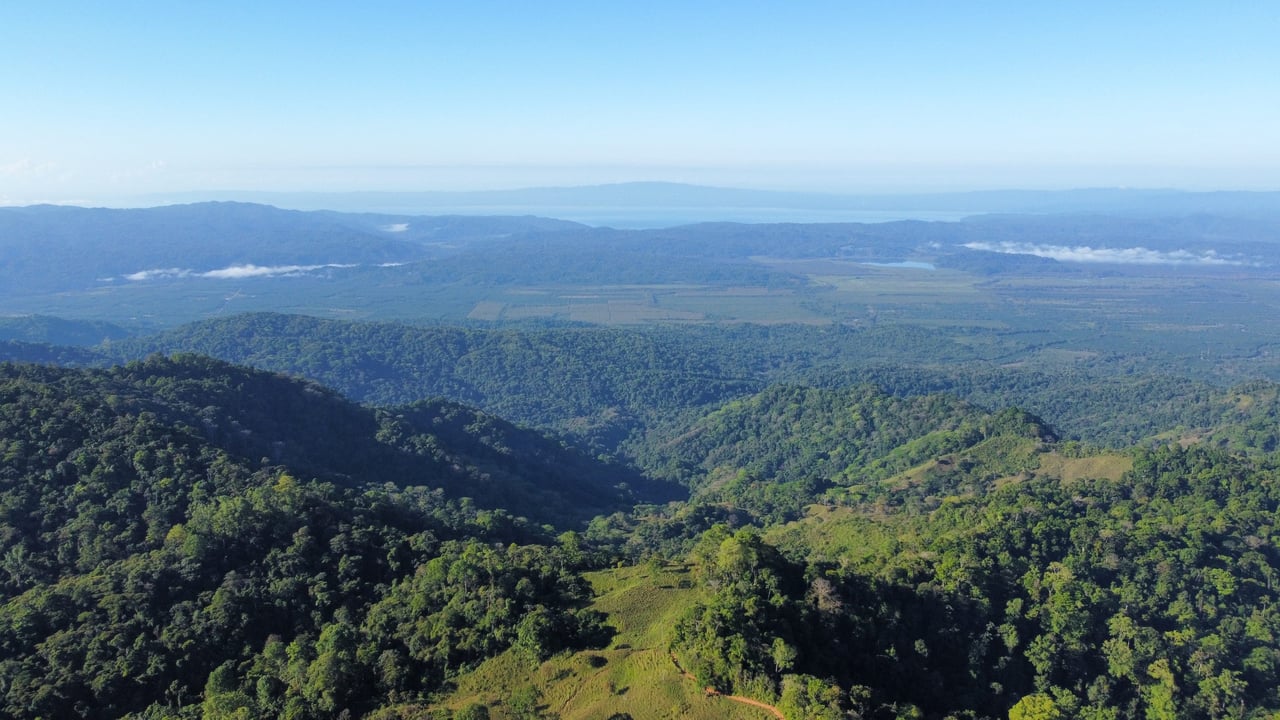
(474, 711)
(523, 703)
(596, 384)
(741, 634)
(805, 697)
(257, 418)
(151, 559)
(607, 385)
(1035, 707)
(793, 446)
(1150, 596)
(787, 433)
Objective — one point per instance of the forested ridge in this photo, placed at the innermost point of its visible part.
(185, 537)
(604, 386)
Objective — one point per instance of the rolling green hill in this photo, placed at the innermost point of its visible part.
(1095, 586)
(593, 383)
(263, 419)
(186, 536)
(781, 449)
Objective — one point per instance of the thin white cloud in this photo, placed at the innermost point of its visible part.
(1126, 256)
(237, 272)
(139, 171)
(395, 227)
(26, 168)
(158, 274)
(232, 272)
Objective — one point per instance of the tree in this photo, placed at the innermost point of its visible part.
(1159, 696)
(1035, 707)
(223, 699)
(523, 703)
(784, 655)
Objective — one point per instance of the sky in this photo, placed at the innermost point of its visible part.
(116, 99)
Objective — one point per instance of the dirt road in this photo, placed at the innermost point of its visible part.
(736, 698)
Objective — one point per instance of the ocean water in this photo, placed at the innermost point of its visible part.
(913, 264)
(639, 218)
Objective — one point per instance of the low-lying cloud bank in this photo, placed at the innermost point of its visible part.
(232, 272)
(1128, 256)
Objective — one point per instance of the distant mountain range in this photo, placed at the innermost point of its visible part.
(52, 248)
(155, 267)
(636, 195)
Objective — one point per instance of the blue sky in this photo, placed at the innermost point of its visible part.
(108, 99)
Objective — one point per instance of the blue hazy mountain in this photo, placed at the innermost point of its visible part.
(47, 248)
(588, 202)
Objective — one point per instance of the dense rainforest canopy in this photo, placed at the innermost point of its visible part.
(186, 538)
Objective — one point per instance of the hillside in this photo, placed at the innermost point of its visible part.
(633, 677)
(260, 418)
(58, 331)
(1093, 598)
(1247, 419)
(790, 432)
(173, 528)
(596, 384)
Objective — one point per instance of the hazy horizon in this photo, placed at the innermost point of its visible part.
(119, 101)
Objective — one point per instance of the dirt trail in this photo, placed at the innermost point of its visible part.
(763, 706)
(736, 698)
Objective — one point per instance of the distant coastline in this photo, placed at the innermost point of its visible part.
(649, 218)
(647, 205)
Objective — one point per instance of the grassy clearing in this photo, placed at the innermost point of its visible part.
(857, 534)
(907, 285)
(1108, 466)
(853, 535)
(633, 675)
(631, 304)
